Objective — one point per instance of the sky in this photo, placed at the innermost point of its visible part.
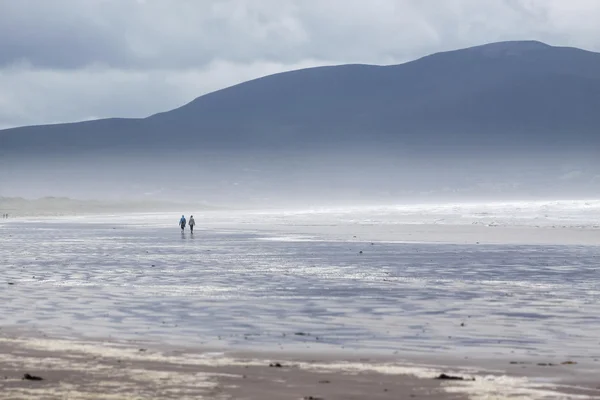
(73, 60)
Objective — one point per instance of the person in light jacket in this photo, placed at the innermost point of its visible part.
(192, 223)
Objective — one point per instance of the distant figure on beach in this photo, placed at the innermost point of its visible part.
(182, 223)
(192, 223)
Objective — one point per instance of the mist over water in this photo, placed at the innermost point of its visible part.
(297, 179)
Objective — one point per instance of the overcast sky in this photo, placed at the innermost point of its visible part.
(70, 60)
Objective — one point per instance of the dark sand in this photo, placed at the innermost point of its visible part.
(89, 374)
(108, 370)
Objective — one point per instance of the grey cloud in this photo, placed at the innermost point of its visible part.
(145, 34)
(58, 34)
(188, 33)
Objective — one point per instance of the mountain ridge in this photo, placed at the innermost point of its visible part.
(474, 95)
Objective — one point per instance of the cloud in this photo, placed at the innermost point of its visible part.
(65, 60)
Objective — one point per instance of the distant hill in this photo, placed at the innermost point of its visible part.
(501, 94)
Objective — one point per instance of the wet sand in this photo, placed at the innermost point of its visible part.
(431, 233)
(72, 369)
(88, 374)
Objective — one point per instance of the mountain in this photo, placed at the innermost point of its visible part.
(509, 115)
(527, 92)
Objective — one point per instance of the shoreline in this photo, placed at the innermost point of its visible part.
(117, 370)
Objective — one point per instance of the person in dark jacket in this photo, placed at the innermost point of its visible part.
(182, 223)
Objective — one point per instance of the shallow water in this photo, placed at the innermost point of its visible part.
(133, 277)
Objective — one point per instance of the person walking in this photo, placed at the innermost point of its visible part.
(192, 223)
(182, 222)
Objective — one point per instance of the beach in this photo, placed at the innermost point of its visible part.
(352, 303)
(101, 371)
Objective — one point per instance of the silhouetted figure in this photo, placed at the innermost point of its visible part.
(192, 223)
(182, 223)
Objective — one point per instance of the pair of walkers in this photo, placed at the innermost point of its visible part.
(183, 222)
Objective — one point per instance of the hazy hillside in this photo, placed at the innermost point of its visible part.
(498, 118)
(527, 91)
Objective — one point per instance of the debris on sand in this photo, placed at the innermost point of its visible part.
(28, 377)
(568, 363)
(275, 365)
(453, 378)
(312, 398)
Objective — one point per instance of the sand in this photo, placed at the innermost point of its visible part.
(97, 372)
(72, 369)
